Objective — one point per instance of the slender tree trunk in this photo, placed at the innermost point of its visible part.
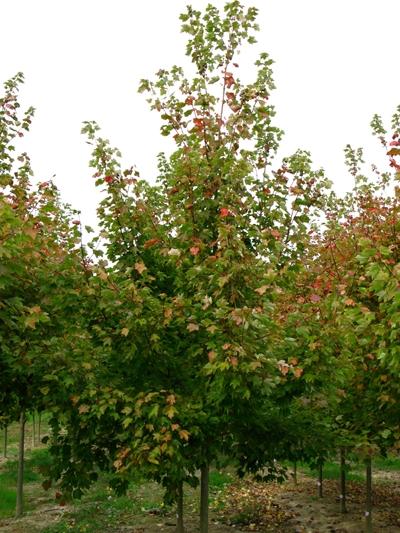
(343, 480)
(295, 472)
(204, 500)
(39, 425)
(33, 430)
(368, 507)
(320, 479)
(179, 510)
(5, 441)
(20, 481)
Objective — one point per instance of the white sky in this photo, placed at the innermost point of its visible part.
(336, 63)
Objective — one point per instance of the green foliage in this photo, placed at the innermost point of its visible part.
(233, 309)
(189, 276)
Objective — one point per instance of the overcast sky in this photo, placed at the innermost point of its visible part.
(336, 64)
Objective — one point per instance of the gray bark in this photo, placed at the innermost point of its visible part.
(20, 481)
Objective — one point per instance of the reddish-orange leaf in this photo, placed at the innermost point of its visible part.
(194, 250)
(151, 242)
(298, 372)
(140, 267)
(211, 356)
(199, 123)
(184, 435)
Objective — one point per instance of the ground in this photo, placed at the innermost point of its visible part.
(236, 505)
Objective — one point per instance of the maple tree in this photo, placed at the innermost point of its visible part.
(356, 269)
(232, 311)
(190, 271)
(40, 269)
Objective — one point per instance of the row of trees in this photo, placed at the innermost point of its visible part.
(235, 310)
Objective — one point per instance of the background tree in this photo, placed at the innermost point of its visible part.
(41, 260)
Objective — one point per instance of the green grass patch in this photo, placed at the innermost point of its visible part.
(34, 465)
(218, 479)
(7, 501)
(332, 471)
(391, 462)
(95, 516)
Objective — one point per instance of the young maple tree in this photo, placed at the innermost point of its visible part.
(358, 284)
(39, 277)
(193, 266)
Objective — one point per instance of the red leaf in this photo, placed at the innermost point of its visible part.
(394, 164)
(298, 372)
(151, 242)
(108, 179)
(194, 250)
(276, 234)
(199, 123)
(229, 81)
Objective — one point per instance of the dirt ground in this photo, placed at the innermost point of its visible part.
(294, 509)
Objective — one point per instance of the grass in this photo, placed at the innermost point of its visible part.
(35, 462)
(218, 480)
(7, 501)
(355, 470)
(100, 510)
(331, 470)
(96, 516)
(390, 462)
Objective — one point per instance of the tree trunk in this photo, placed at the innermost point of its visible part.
(204, 500)
(39, 425)
(368, 507)
(20, 481)
(320, 491)
(295, 472)
(343, 480)
(179, 510)
(33, 430)
(5, 441)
